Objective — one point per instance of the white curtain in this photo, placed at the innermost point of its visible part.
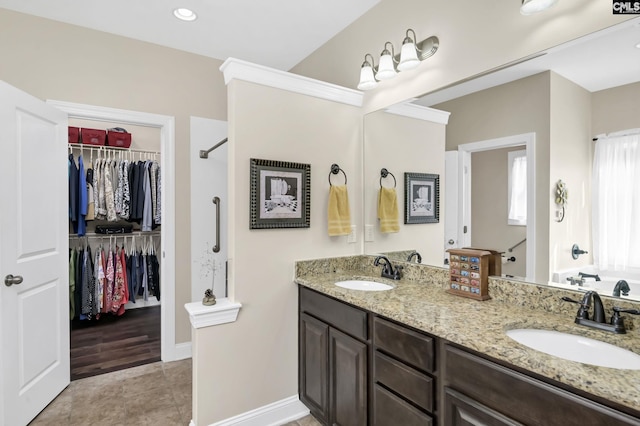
(616, 202)
(517, 188)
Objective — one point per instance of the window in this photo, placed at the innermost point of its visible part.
(517, 188)
(616, 202)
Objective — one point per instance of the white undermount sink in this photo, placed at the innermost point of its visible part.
(363, 285)
(576, 348)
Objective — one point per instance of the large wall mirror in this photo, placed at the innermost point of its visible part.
(552, 104)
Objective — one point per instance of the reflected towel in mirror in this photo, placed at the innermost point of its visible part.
(388, 210)
(339, 217)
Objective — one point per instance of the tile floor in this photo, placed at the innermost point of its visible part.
(157, 394)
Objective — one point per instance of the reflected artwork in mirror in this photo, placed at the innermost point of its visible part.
(563, 98)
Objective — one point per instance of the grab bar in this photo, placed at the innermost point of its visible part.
(205, 154)
(216, 201)
(511, 249)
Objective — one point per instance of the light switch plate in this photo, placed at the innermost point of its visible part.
(368, 233)
(352, 237)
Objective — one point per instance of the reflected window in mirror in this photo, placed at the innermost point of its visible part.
(517, 188)
(616, 202)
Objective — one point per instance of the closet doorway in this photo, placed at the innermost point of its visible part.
(163, 337)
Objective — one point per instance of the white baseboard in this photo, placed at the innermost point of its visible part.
(182, 351)
(277, 413)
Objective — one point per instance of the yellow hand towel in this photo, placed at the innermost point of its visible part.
(339, 215)
(388, 210)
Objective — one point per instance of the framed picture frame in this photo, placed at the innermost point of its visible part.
(280, 194)
(421, 198)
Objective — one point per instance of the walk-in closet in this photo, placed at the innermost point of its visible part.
(115, 219)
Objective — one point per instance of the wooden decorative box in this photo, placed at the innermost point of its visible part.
(469, 270)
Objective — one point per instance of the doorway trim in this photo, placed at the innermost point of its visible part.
(464, 187)
(166, 124)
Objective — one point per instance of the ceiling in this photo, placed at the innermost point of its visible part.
(281, 33)
(605, 59)
(277, 33)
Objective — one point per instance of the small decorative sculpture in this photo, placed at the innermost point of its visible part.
(209, 298)
(561, 195)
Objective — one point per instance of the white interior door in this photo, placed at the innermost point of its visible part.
(451, 201)
(34, 306)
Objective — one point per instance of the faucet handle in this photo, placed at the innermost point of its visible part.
(617, 309)
(617, 321)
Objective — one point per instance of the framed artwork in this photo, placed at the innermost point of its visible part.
(421, 198)
(280, 194)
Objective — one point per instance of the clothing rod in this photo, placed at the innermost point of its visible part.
(115, 148)
(628, 132)
(123, 234)
(511, 249)
(205, 154)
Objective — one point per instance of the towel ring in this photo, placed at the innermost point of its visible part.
(335, 169)
(384, 173)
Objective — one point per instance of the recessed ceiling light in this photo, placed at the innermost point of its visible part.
(185, 14)
(638, 46)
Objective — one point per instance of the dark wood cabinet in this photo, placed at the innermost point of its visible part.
(476, 387)
(403, 375)
(314, 366)
(359, 369)
(463, 411)
(333, 360)
(347, 380)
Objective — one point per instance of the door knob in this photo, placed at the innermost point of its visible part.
(10, 280)
(451, 242)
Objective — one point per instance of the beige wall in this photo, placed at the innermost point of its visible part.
(615, 109)
(254, 362)
(474, 37)
(401, 144)
(514, 108)
(489, 209)
(570, 159)
(52, 60)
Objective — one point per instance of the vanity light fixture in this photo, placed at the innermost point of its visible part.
(529, 7)
(410, 56)
(184, 14)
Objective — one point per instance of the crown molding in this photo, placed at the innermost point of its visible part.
(409, 109)
(241, 70)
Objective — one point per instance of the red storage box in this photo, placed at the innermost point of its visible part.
(119, 139)
(74, 134)
(93, 136)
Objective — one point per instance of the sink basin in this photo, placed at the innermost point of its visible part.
(577, 348)
(364, 285)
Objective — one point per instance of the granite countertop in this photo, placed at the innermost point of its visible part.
(419, 300)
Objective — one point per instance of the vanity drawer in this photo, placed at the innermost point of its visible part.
(407, 345)
(411, 384)
(390, 410)
(523, 398)
(352, 321)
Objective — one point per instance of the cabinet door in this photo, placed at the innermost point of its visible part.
(348, 380)
(463, 411)
(314, 365)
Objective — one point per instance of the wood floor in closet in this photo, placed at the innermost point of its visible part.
(115, 343)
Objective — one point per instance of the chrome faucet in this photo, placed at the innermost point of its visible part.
(388, 270)
(616, 324)
(416, 255)
(576, 280)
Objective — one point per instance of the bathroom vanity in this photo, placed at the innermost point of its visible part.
(415, 355)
